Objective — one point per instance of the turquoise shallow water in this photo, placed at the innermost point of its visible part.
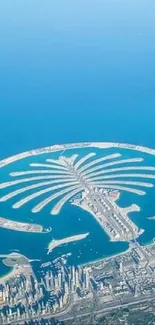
(71, 72)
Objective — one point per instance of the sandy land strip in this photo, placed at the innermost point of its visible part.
(56, 148)
(58, 242)
(21, 226)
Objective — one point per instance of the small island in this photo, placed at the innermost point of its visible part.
(58, 242)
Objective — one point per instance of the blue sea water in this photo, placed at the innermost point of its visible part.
(73, 71)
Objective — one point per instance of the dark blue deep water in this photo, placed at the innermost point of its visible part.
(73, 71)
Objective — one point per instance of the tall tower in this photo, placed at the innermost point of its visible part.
(47, 282)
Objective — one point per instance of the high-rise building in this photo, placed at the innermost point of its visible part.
(47, 282)
(59, 279)
(86, 278)
(77, 284)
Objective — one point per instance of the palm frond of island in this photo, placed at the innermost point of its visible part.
(23, 226)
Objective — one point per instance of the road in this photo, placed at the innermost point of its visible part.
(92, 313)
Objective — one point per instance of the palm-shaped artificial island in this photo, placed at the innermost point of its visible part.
(92, 183)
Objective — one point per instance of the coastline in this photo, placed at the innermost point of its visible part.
(105, 258)
(7, 275)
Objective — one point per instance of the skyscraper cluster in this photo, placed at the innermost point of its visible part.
(25, 297)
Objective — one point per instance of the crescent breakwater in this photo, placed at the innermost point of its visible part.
(56, 148)
(21, 226)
